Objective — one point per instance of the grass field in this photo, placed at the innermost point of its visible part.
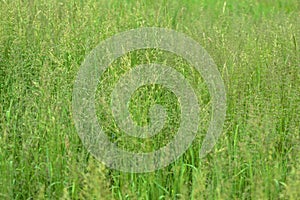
(255, 45)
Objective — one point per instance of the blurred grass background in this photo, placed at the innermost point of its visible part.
(255, 45)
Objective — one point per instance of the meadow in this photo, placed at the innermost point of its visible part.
(255, 45)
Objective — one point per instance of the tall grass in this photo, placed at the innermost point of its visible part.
(255, 45)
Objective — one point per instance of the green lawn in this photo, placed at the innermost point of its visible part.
(255, 45)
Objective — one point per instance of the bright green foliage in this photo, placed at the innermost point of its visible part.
(255, 45)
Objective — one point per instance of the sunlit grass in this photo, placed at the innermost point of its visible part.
(255, 45)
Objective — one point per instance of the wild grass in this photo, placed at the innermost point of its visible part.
(255, 45)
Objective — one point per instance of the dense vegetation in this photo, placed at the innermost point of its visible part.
(255, 45)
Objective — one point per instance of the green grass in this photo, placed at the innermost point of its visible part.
(255, 45)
